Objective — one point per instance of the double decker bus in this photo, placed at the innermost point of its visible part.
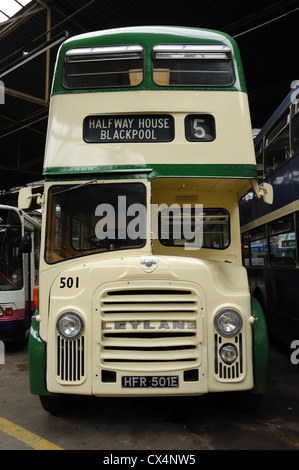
(19, 258)
(273, 267)
(142, 290)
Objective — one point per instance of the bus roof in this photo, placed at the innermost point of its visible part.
(148, 37)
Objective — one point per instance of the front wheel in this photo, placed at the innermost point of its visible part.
(53, 404)
(249, 402)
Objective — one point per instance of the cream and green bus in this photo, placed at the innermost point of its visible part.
(142, 291)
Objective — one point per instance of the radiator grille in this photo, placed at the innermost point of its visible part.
(235, 371)
(70, 360)
(149, 326)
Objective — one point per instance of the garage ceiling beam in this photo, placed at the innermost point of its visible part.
(17, 18)
(65, 16)
(15, 122)
(16, 21)
(13, 131)
(259, 15)
(34, 53)
(26, 97)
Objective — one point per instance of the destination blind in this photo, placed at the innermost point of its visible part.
(128, 128)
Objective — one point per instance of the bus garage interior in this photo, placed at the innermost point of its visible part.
(32, 31)
(30, 38)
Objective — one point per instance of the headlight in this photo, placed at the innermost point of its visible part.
(228, 322)
(228, 353)
(69, 325)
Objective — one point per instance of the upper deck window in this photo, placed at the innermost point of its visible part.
(103, 67)
(207, 65)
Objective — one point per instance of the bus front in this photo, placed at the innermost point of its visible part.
(142, 290)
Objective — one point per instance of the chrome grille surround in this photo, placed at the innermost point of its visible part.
(236, 371)
(70, 360)
(152, 328)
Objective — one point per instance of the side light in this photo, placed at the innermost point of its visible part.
(228, 353)
(36, 297)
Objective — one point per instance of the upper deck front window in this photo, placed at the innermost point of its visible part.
(103, 67)
(207, 65)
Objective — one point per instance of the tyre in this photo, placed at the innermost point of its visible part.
(249, 402)
(53, 404)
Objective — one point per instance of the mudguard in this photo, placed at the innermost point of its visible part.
(260, 349)
(37, 362)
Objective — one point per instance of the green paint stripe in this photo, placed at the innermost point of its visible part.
(156, 171)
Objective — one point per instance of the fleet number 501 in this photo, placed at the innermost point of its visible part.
(69, 282)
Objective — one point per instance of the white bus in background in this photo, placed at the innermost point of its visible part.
(19, 258)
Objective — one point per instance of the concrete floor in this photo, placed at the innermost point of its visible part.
(127, 424)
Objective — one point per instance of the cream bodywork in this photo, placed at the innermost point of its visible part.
(216, 278)
(233, 144)
(215, 283)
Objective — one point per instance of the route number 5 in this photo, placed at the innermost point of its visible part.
(199, 130)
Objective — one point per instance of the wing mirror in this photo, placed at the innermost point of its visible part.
(26, 196)
(265, 191)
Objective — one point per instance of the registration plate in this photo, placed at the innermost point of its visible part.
(150, 381)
